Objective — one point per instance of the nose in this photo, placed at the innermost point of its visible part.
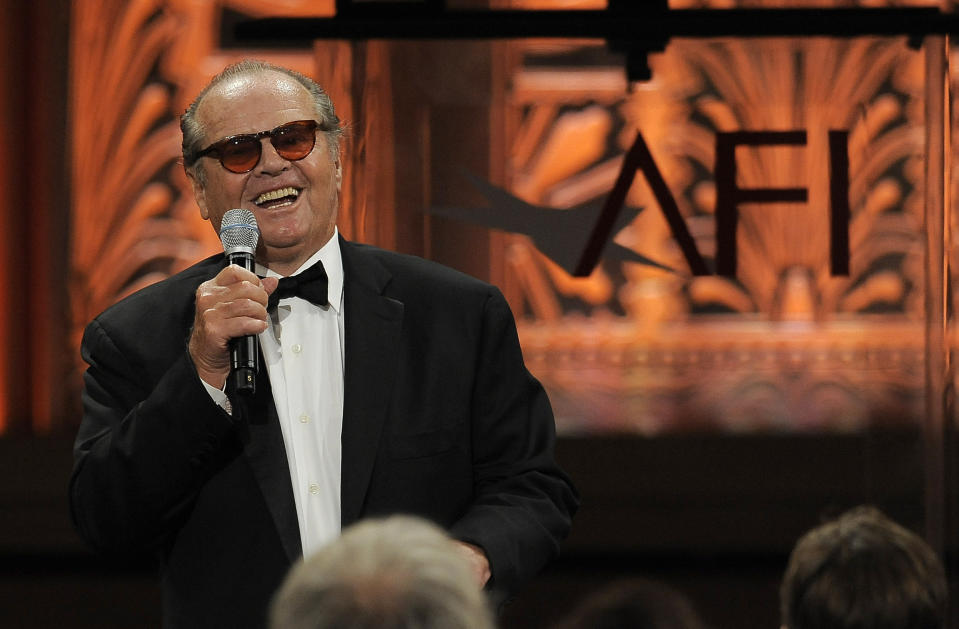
(270, 161)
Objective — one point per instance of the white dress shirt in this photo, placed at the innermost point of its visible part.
(305, 355)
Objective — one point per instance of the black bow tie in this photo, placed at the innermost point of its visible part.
(310, 285)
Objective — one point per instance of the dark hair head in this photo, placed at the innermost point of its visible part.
(634, 604)
(863, 571)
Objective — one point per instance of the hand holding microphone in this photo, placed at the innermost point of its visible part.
(231, 310)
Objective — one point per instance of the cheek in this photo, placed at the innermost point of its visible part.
(227, 187)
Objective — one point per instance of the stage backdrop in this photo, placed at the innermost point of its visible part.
(798, 287)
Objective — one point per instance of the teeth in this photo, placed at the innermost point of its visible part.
(273, 195)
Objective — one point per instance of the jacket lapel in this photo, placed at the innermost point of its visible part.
(266, 454)
(373, 325)
(263, 447)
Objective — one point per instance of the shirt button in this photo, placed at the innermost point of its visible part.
(314, 488)
(297, 348)
(304, 419)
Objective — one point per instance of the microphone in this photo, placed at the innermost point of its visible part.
(239, 235)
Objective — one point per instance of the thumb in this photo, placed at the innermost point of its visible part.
(269, 284)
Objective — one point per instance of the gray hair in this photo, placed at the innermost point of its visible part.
(193, 130)
(401, 572)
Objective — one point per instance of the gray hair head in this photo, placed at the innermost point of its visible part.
(193, 131)
(400, 572)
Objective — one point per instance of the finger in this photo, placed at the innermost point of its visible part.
(253, 291)
(211, 294)
(232, 274)
(216, 326)
(235, 327)
(243, 307)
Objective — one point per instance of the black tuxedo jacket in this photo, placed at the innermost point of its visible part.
(441, 419)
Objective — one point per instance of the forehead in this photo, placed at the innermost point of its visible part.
(253, 102)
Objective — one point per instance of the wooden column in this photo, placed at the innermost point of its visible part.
(936, 353)
(33, 160)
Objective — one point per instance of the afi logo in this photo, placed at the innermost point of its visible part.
(728, 198)
(577, 238)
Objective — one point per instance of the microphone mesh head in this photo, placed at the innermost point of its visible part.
(238, 231)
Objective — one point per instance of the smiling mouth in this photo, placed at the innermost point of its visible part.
(277, 198)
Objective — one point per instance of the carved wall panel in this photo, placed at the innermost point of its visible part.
(135, 66)
(784, 345)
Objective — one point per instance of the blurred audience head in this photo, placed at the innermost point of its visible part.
(863, 571)
(634, 604)
(395, 573)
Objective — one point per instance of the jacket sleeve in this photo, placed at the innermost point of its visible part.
(147, 443)
(524, 502)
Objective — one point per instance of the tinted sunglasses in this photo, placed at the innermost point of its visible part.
(241, 153)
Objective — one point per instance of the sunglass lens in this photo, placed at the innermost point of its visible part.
(294, 142)
(240, 155)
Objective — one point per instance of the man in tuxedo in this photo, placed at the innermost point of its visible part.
(402, 390)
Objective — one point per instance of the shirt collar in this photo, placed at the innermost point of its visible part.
(332, 260)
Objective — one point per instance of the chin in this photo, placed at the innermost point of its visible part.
(282, 243)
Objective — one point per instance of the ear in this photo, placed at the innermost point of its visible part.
(339, 173)
(199, 193)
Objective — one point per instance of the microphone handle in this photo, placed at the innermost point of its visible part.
(244, 350)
